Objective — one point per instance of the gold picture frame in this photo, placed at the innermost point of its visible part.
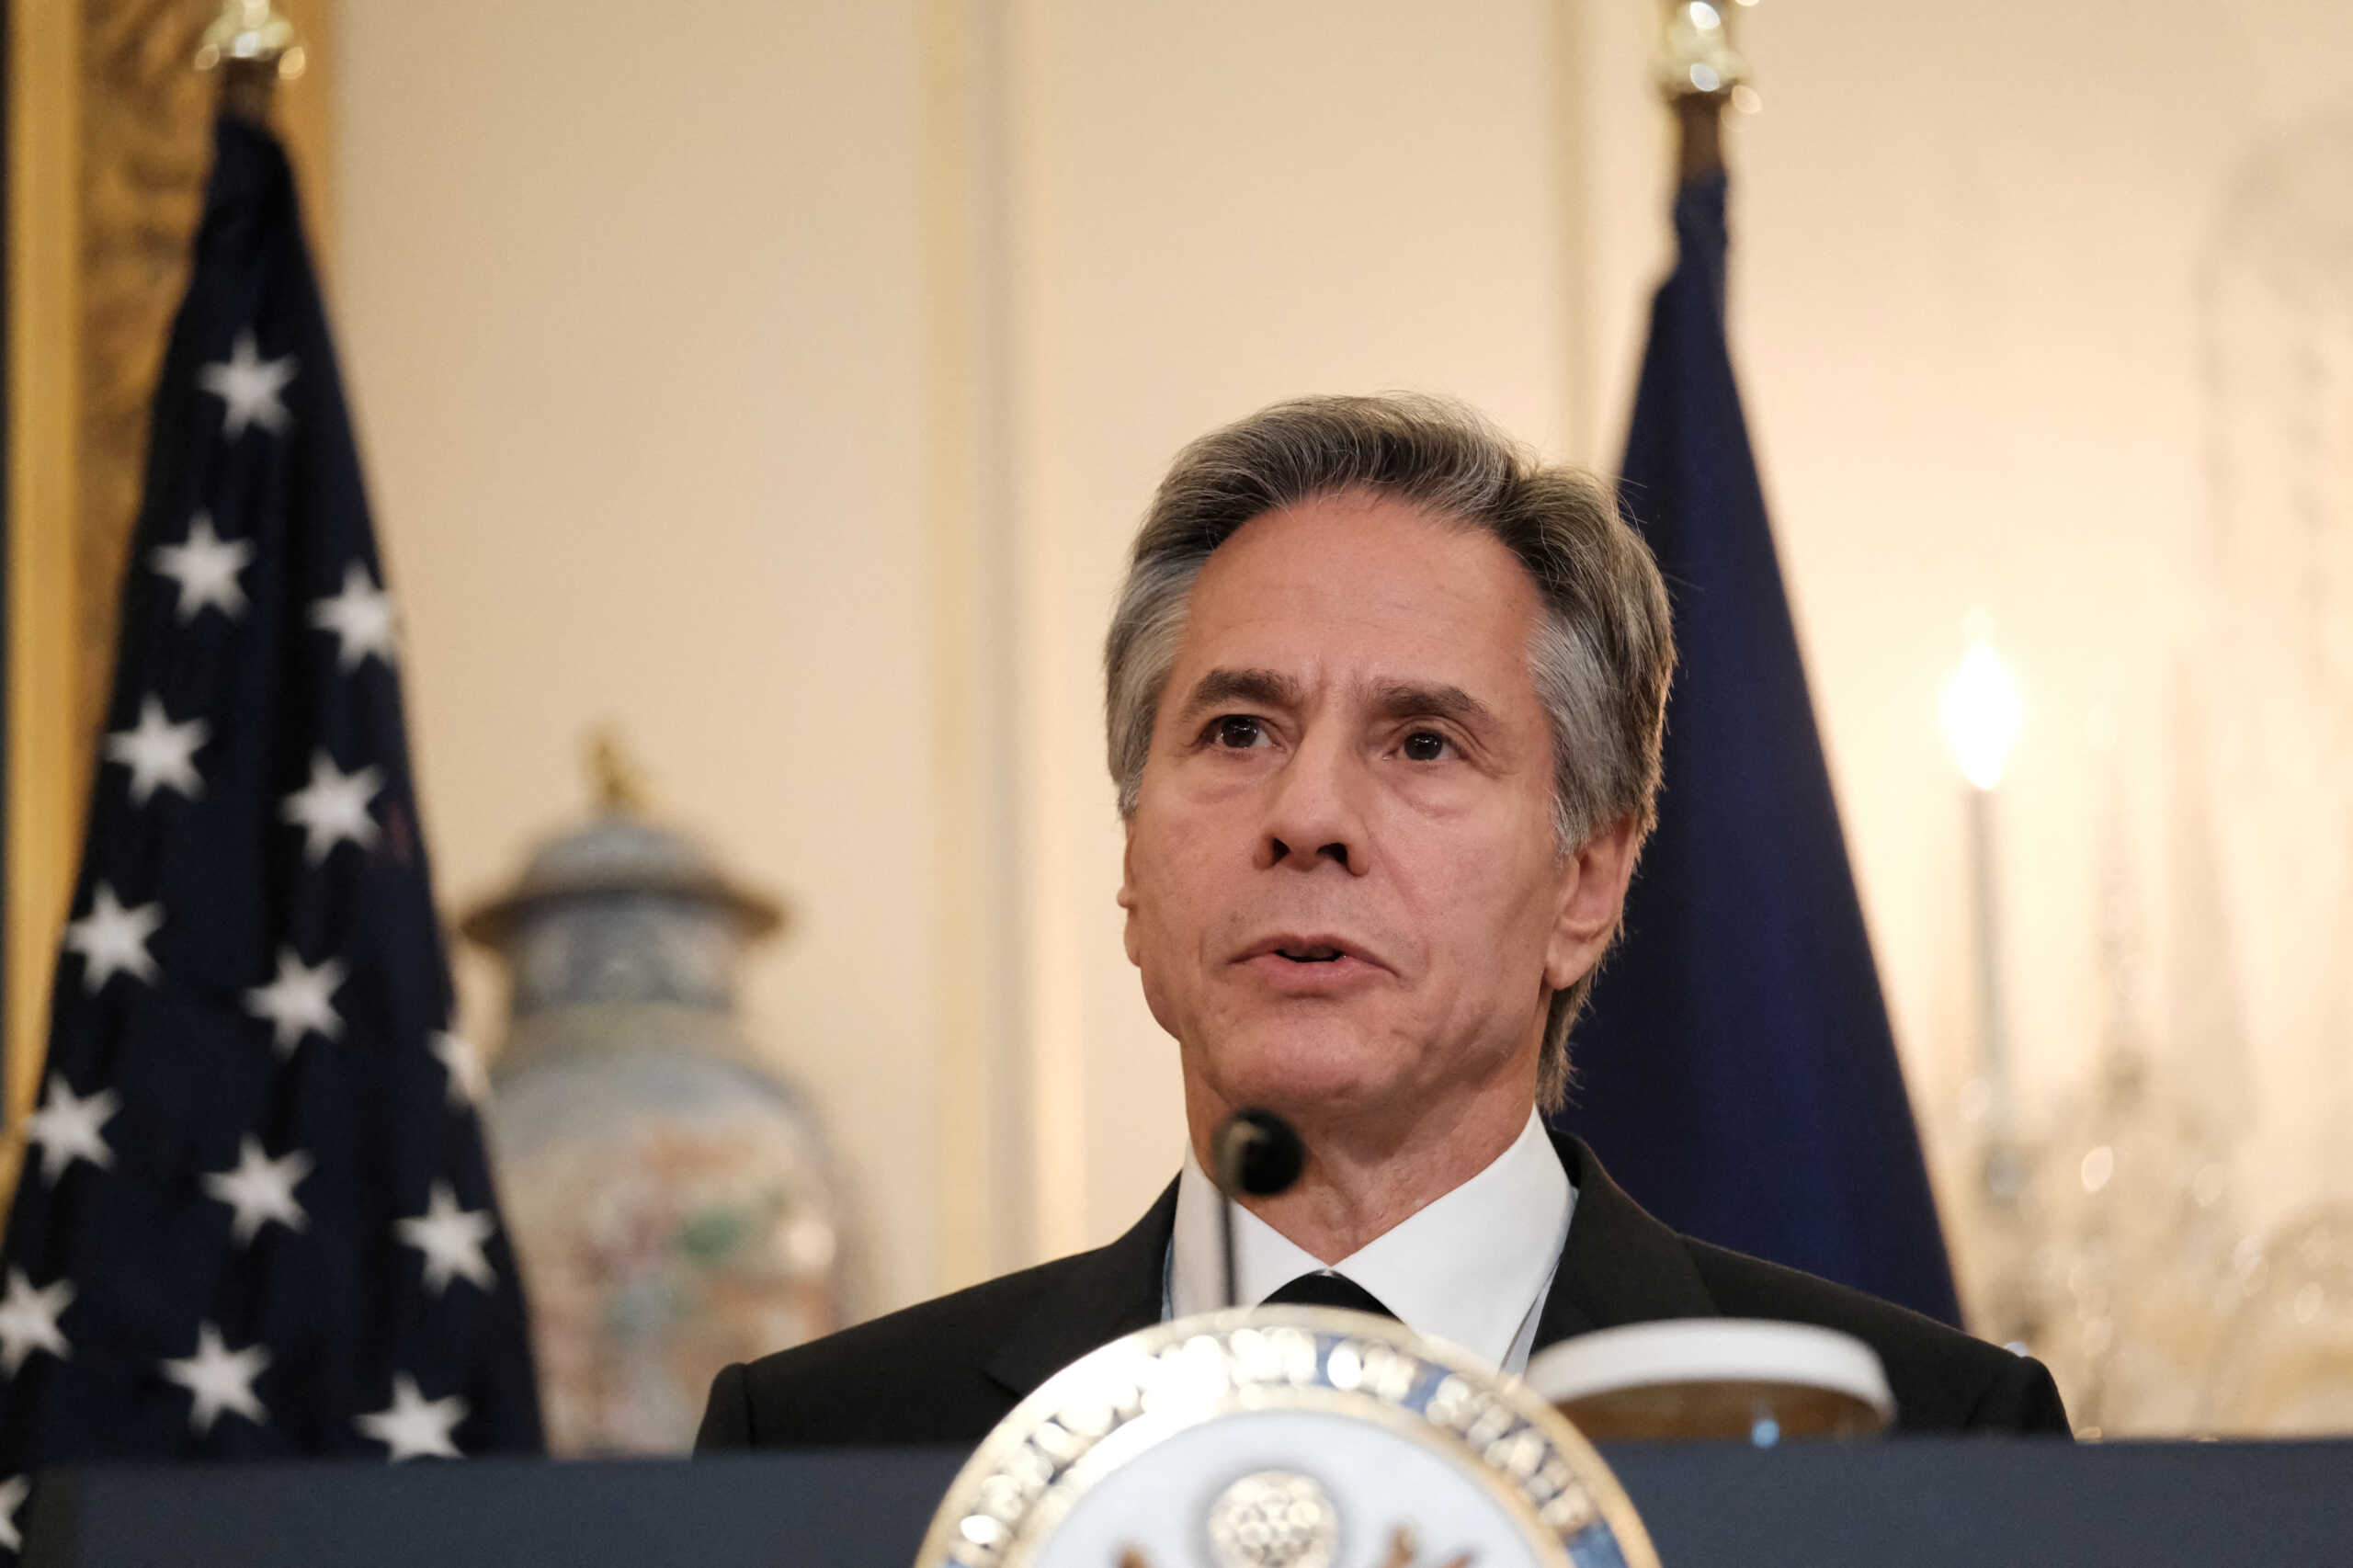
(110, 142)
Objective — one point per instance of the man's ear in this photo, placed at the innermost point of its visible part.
(1593, 895)
(1128, 896)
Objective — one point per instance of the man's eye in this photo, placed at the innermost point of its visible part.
(1425, 746)
(1237, 733)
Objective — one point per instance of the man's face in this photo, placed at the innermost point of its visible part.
(1343, 884)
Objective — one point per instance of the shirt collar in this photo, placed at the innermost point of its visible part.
(1469, 1268)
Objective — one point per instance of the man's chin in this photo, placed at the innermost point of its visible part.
(1306, 1078)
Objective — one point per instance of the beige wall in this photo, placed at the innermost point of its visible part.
(632, 325)
(1230, 203)
(786, 393)
(1967, 299)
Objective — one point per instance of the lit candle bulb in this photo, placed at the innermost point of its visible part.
(1981, 710)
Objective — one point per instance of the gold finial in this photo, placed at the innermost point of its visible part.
(1696, 56)
(1699, 72)
(251, 32)
(615, 773)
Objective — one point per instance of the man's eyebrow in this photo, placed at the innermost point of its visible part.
(1411, 700)
(1265, 689)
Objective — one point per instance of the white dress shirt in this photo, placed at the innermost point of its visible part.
(1473, 1267)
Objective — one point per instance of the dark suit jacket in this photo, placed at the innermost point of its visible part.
(948, 1370)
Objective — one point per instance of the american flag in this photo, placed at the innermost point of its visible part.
(254, 1216)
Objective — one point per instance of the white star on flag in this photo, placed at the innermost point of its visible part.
(261, 1189)
(12, 1497)
(333, 806)
(414, 1427)
(113, 941)
(28, 1321)
(249, 384)
(160, 754)
(468, 1084)
(361, 617)
(450, 1238)
(206, 569)
(67, 1127)
(221, 1379)
(299, 1000)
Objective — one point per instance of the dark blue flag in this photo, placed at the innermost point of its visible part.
(1736, 1070)
(254, 1216)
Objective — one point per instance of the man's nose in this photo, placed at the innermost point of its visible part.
(1315, 812)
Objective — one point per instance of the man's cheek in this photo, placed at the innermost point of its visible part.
(1171, 991)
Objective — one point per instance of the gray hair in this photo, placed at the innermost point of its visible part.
(1602, 653)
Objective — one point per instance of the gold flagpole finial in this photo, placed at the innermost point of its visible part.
(1699, 72)
(1696, 56)
(253, 47)
(251, 32)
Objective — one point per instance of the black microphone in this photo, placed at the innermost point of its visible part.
(1254, 1152)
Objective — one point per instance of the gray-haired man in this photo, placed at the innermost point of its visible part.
(1383, 701)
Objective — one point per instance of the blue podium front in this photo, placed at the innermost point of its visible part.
(1921, 1503)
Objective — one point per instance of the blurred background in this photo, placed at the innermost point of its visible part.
(776, 387)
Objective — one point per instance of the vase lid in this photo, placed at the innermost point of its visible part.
(620, 850)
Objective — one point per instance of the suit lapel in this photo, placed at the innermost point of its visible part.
(1620, 1265)
(1101, 1295)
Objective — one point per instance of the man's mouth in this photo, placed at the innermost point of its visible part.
(1300, 951)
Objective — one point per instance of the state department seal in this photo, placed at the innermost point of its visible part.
(1283, 1437)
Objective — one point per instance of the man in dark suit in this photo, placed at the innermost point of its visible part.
(1383, 699)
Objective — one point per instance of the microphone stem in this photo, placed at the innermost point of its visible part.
(1225, 1243)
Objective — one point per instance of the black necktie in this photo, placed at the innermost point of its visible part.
(1329, 1290)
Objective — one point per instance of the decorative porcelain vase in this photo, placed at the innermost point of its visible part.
(672, 1198)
